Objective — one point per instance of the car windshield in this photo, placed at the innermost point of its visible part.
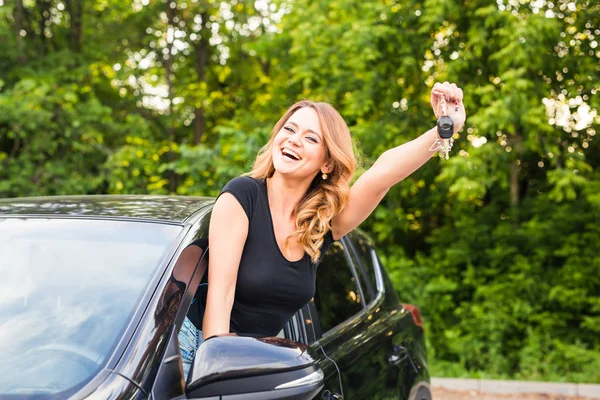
(68, 288)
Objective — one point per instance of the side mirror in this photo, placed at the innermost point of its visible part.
(243, 368)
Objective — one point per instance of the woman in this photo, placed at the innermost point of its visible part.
(268, 230)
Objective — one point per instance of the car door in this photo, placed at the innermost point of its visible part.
(352, 325)
(407, 359)
(170, 382)
(301, 329)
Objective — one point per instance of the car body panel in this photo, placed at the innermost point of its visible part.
(362, 345)
(176, 209)
(109, 385)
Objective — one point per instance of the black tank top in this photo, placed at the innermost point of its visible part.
(269, 288)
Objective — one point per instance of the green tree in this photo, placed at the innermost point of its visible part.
(496, 245)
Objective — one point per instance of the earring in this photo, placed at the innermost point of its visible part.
(324, 176)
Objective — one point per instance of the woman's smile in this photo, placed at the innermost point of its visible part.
(288, 153)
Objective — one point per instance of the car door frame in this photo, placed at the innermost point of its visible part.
(164, 375)
(372, 305)
(335, 338)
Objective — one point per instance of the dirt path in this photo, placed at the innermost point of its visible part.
(445, 394)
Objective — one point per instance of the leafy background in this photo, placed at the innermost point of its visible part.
(498, 245)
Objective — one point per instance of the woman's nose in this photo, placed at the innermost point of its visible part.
(293, 139)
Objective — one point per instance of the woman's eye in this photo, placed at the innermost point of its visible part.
(287, 128)
(311, 139)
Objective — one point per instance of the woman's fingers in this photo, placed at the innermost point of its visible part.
(450, 91)
(454, 90)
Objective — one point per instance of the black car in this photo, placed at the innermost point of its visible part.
(94, 290)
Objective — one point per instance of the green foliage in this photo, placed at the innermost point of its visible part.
(497, 245)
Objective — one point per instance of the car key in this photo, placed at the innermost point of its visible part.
(445, 127)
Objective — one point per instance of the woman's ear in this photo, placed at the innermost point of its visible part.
(328, 167)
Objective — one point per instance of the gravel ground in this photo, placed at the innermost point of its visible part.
(440, 393)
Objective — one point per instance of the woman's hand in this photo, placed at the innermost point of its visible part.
(454, 103)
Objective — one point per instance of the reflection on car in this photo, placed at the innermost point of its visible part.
(94, 290)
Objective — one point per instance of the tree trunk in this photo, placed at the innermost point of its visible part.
(75, 9)
(169, 78)
(517, 142)
(43, 7)
(199, 124)
(202, 55)
(21, 58)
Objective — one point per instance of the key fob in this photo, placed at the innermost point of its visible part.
(445, 127)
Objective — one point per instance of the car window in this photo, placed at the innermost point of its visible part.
(362, 256)
(312, 328)
(291, 330)
(68, 289)
(196, 250)
(337, 296)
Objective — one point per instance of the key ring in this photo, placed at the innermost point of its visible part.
(437, 145)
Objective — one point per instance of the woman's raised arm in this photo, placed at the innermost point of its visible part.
(226, 237)
(395, 164)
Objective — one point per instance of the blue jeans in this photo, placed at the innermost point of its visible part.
(190, 338)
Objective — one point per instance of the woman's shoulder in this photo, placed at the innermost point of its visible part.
(244, 182)
(246, 190)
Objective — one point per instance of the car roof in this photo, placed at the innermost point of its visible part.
(173, 209)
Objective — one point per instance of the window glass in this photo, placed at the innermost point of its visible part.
(293, 329)
(68, 289)
(312, 328)
(363, 259)
(337, 297)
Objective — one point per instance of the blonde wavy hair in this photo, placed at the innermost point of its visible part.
(324, 199)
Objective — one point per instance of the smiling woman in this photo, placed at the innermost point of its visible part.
(270, 228)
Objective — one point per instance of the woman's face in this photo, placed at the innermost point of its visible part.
(299, 148)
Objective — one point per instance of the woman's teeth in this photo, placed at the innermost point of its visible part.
(291, 154)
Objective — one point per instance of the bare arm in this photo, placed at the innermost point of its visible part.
(396, 164)
(390, 168)
(227, 234)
